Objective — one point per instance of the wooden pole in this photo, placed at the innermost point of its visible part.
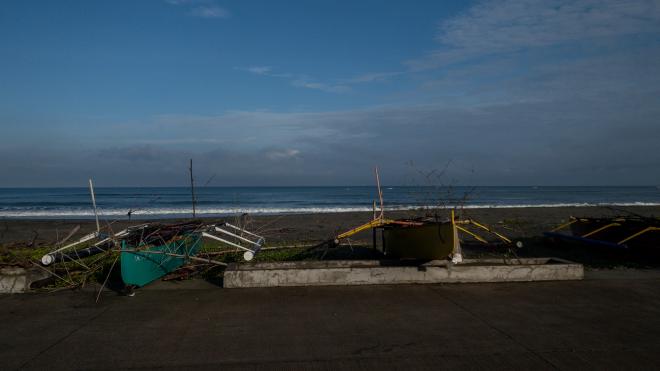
(373, 230)
(192, 188)
(96, 215)
(380, 193)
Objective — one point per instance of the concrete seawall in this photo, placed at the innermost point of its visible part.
(18, 279)
(373, 272)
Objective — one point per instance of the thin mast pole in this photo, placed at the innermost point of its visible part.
(380, 193)
(192, 188)
(96, 215)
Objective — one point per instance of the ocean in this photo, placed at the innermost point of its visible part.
(173, 202)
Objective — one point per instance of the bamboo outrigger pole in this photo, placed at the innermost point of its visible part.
(380, 194)
(96, 215)
(457, 225)
(377, 221)
(192, 188)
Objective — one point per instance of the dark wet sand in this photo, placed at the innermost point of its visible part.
(517, 223)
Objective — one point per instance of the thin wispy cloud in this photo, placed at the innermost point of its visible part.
(297, 80)
(283, 154)
(209, 12)
(258, 70)
(328, 88)
(372, 77)
(499, 27)
(340, 85)
(504, 26)
(202, 8)
(179, 2)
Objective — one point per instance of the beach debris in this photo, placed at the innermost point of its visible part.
(621, 232)
(152, 250)
(425, 238)
(144, 252)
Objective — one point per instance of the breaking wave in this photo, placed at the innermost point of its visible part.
(174, 212)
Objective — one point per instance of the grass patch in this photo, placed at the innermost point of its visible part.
(21, 256)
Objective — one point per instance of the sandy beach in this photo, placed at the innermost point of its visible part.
(525, 224)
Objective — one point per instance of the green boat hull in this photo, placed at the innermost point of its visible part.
(139, 268)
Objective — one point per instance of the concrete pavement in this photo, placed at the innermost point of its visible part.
(611, 320)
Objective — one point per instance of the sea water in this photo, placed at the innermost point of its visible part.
(221, 201)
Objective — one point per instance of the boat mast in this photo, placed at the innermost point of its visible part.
(192, 189)
(96, 215)
(380, 194)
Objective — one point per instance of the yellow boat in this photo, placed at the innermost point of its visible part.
(423, 238)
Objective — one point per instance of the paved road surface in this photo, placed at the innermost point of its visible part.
(610, 320)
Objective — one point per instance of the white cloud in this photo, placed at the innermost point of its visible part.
(335, 86)
(258, 70)
(202, 8)
(298, 80)
(371, 77)
(503, 26)
(304, 83)
(282, 154)
(209, 11)
(190, 2)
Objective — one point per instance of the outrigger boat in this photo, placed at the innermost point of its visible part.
(427, 238)
(619, 232)
(151, 250)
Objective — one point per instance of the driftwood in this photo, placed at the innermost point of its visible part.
(34, 239)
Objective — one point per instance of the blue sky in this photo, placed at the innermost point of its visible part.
(318, 92)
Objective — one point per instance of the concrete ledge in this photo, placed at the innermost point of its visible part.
(17, 279)
(374, 272)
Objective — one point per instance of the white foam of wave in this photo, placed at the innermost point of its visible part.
(173, 212)
(577, 204)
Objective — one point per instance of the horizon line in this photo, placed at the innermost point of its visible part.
(333, 186)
